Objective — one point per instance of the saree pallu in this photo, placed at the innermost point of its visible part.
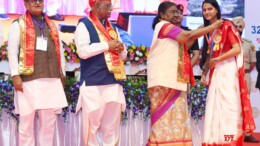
(170, 118)
(223, 117)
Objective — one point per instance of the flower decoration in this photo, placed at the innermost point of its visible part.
(70, 53)
(7, 97)
(72, 94)
(197, 100)
(137, 55)
(3, 52)
(134, 88)
(135, 91)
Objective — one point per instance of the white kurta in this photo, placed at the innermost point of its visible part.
(96, 96)
(101, 105)
(44, 93)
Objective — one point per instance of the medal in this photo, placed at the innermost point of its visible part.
(216, 39)
(113, 34)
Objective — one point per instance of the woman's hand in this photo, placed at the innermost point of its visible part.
(203, 80)
(217, 24)
(201, 26)
(213, 62)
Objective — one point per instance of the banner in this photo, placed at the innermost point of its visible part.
(252, 32)
(252, 18)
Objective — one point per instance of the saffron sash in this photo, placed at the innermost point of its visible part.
(114, 64)
(28, 41)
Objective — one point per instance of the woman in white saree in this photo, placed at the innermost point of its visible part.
(228, 109)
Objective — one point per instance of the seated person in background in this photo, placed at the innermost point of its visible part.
(2, 10)
(52, 7)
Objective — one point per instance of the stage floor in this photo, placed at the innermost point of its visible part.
(66, 37)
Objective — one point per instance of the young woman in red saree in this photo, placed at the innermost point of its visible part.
(228, 109)
(169, 71)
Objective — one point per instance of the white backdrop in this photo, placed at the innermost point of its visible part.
(252, 17)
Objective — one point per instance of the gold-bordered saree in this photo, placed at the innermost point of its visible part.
(169, 109)
(170, 118)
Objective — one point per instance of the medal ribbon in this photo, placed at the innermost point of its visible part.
(40, 26)
(114, 56)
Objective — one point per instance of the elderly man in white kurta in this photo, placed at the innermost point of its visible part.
(101, 96)
(36, 61)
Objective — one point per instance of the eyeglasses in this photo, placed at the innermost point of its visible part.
(239, 26)
(176, 12)
(107, 6)
(35, 1)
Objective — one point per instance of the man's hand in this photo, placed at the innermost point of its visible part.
(115, 46)
(18, 83)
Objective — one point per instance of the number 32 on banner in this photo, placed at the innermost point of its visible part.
(255, 29)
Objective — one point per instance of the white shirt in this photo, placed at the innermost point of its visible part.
(43, 93)
(96, 96)
(14, 46)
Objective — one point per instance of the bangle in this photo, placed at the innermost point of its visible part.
(215, 60)
(210, 28)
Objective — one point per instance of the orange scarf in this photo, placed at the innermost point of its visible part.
(185, 72)
(28, 41)
(114, 63)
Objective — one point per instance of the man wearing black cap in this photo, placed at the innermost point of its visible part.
(193, 45)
